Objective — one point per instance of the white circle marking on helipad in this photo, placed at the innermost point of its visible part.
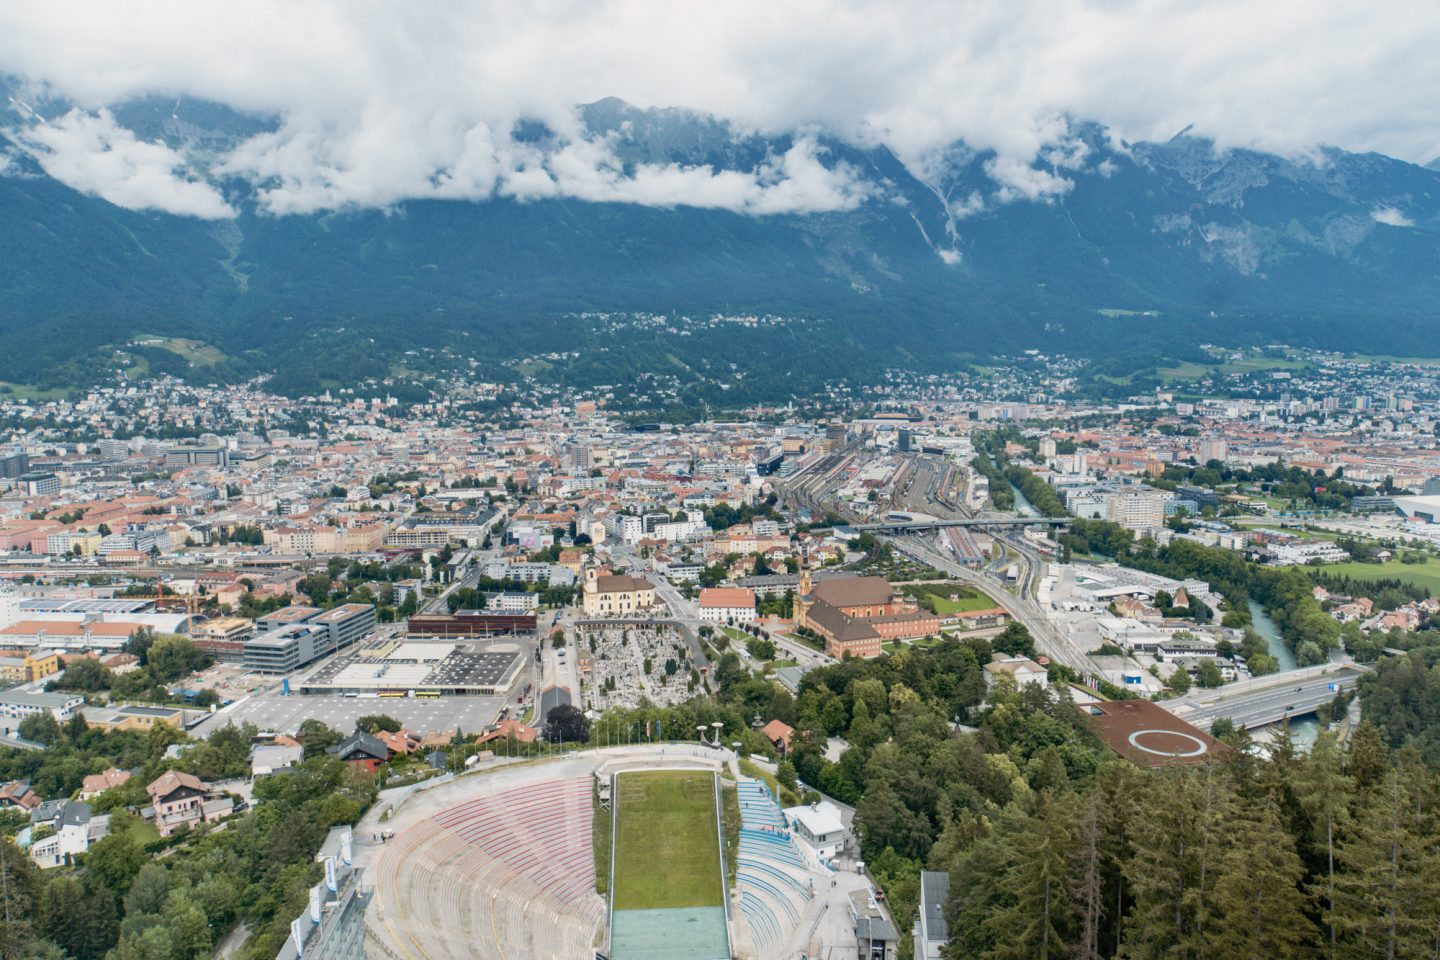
(1200, 746)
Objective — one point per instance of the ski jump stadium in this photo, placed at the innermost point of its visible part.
(502, 863)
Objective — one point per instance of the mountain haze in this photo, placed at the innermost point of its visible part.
(1155, 246)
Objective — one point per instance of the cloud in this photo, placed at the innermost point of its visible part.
(1391, 217)
(93, 154)
(378, 101)
(385, 160)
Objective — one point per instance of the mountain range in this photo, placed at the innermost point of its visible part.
(1139, 250)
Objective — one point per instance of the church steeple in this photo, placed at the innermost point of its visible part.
(802, 602)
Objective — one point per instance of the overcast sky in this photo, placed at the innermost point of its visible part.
(384, 101)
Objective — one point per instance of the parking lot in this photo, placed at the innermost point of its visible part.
(420, 714)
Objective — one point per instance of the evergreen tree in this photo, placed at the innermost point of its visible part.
(1324, 793)
(1387, 891)
(1035, 924)
(1255, 905)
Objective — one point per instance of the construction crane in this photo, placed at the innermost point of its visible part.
(190, 602)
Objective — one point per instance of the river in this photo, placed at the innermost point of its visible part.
(1303, 730)
(1022, 506)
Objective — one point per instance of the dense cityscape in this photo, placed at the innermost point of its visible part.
(220, 602)
(747, 481)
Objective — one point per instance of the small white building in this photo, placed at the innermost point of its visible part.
(1023, 669)
(70, 827)
(819, 826)
(512, 602)
(16, 705)
(727, 605)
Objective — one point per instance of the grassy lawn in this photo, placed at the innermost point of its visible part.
(967, 598)
(1191, 370)
(600, 837)
(1420, 574)
(667, 853)
(197, 352)
(25, 391)
(141, 832)
(787, 797)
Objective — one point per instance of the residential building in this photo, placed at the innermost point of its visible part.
(17, 705)
(1138, 508)
(779, 733)
(38, 484)
(97, 783)
(1023, 669)
(180, 800)
(362, 750)
(727, 605)
(68, 828)
(516, 602)
(18, 794)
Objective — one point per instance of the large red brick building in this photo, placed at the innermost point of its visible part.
(856, 615)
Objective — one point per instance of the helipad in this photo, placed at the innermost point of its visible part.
(1149, 735)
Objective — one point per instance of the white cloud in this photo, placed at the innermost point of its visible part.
(1392, 217)
(381, 101)
(93, 154)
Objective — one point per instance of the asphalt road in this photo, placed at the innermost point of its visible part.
(1269, 704)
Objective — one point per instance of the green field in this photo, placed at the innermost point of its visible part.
(1420, 574)
(26, 391)
(667, 853)
(967, 598)
(197, 352)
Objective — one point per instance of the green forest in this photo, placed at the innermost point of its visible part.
(134, 896)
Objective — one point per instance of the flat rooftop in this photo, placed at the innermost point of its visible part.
(441, 667)
(1149, 735)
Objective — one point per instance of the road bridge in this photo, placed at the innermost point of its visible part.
(912, 526)
(1266, 700)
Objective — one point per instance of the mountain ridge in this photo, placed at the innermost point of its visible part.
(937, 261)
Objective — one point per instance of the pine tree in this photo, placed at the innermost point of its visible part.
(1087, 881)
(1163, 872)
(1387, 888)
(1119, 785)
(1324, 793)
(1035, 923)
(1366, 759)
(1255, 905)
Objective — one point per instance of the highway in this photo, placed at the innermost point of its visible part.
(921, 486)
(1265, 700)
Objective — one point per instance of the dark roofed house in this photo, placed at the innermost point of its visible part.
(931, 931)
(362, 749)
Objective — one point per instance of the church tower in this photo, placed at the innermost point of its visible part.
(802, 596)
